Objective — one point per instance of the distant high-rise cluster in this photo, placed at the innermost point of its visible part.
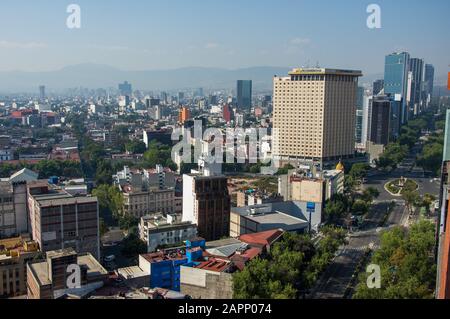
(405, 92)
(409, 80)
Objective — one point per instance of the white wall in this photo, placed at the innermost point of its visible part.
(188, 199)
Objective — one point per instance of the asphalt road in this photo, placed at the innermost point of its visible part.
(339, 274)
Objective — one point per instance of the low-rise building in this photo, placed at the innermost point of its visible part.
(148, 192)
(134, 276)
(252, 197)
(49, 279)
(212, 278)
(6, 154)
(140, 294)
(292, 216)
(159, 230)
(15, 253)
(308, 185)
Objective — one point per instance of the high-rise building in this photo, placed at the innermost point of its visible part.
(206, 202)
(183, 115)
(244, 94)
(429, 83)
(359, 114)
(151, 102)
(125, 88)
(42, 92)
(212, 100)
(314, 115)
(164, 97)
(378, 86)
(180, 97)
(198, 92)
(448, 81)
(416, 67)
(227, 113)
(367, 113)
(158, 112)
(380, 119)
(59, 220)
(396, 80)
(396, 112)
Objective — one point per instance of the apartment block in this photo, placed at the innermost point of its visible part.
(148, 192)
(160, 230)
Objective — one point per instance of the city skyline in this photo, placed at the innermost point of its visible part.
(148, 36)
(227, 149)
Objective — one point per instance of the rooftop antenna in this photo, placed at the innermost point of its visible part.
(307, 64)
(317, 65)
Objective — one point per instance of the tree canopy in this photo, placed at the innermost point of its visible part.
(290, 269)
(408, 270)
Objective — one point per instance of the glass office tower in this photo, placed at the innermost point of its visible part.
(396, 80)
(359, 114)
(244, 94)
(416, 67)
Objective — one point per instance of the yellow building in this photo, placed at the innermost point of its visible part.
(15, 253)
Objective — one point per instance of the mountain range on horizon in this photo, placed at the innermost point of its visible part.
(103, 76)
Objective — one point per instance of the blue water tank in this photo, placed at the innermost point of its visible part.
(54, 180)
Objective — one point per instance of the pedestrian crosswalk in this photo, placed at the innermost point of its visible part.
(359, 249)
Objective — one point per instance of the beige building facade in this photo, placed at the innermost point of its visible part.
(142, 203)
(314, 115)
(15, 253)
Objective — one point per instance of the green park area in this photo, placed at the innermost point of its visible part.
(399, 186)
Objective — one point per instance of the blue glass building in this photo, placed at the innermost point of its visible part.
(396, 80)
(244, 94)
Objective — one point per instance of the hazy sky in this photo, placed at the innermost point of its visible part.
(159, 34)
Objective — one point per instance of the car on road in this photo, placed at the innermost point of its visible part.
(109, 258)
